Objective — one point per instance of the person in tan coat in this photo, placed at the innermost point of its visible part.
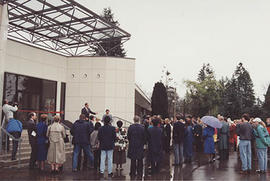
(56, 152)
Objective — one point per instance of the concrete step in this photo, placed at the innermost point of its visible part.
(23, 154)
(26, 144)
(27, 151)
(23, 162)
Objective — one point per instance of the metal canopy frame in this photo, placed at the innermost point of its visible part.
(61, 26)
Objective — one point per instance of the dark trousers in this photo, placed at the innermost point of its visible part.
(198, 144)
(136, 167)
(96, 158)
(33, 156)
(15, 143)
(224, 154)
(167, 141)
(155, 167)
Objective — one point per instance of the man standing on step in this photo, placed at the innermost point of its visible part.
(8, 111)
(32, 134)
(87, 111)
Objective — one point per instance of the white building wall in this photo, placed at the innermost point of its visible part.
(103, 82)
(31, 61)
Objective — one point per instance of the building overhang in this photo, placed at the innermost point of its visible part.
(61, 26)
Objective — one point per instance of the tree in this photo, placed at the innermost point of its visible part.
(266, 105)
(244, 89)
(113, 46)
(202, 96)
(206, 71)
(223, 82)
(231, 100)
(239, 94)
(257, 110)
(159, 100)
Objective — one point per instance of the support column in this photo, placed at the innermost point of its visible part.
(3, 45)
(58, 97)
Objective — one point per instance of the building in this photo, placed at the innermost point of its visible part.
(142, 103)
(47, 63)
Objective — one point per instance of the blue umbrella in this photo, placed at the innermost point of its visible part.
(211, 121)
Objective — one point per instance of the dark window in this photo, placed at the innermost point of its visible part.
(32, 94)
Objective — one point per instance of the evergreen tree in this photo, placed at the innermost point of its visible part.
(244, 89)
(159, 100)
(112, 47)
(239, 94)
(257, 110)
(223, 82)
(206, 71)
(231, 100)
(266, 105)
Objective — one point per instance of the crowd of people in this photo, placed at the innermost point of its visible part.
(153, 138)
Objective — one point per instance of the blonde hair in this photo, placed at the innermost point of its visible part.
(56, 118)
(262, 123)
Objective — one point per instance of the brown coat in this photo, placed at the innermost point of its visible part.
(56, 152)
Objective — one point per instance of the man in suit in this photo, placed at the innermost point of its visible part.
(136, 137)
(32, 134)
(155, 145)
(87, 111)
(178, 140)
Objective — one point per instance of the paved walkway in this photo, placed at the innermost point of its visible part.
(197, 170)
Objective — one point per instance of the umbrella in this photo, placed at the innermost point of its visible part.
(211, 121)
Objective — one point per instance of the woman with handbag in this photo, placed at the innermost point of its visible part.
(56, 153)
(42, 141)
(262, 142)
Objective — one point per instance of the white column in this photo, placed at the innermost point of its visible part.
(3, 44)
(58, 97)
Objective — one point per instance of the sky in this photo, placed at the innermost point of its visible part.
(183, 34)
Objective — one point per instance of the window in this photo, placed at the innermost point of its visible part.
(32, 94)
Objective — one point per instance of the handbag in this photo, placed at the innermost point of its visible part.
(66, 139)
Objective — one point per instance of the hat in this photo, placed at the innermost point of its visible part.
(257, 120)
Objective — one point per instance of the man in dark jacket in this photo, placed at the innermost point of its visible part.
(178, 139)
(155, 145)
(136, 138)
(81, 131)
(32, 135)
(106, 137)
(198, 136)
(167, 135)
(87, 111)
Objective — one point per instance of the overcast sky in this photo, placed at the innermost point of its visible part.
(184, 34)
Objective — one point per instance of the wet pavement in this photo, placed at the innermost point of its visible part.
(199, 169)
